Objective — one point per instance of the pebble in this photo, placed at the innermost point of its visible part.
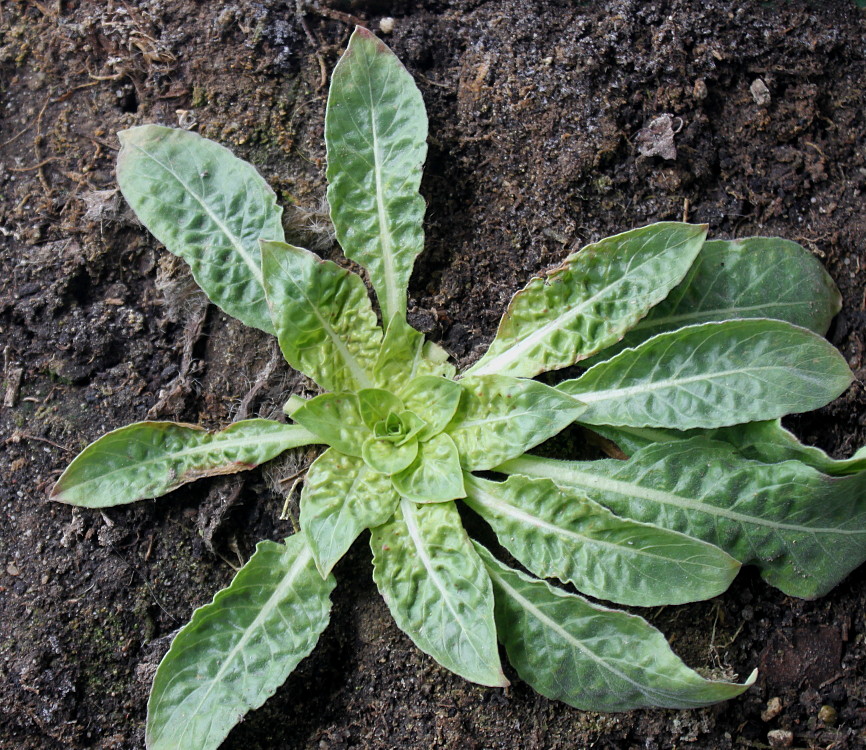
(780, 738)
(760, 92)
(827, 715)
(773, 709)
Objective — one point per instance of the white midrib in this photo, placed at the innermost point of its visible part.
(255, 268)
(572, 477)
(650, 323)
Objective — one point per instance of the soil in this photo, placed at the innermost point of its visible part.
(536, 116)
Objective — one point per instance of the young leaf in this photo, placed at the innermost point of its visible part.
(335, 418)
(376, 138)
(590, 301)
(500, 417)
(804, 530)
(342, 496)
(435, 476)
(389, 458)
(713, 375)
(433, 399)
(237, 650)
(437, 589)
(149, 459)
(756, 277)
(405, 355)
(324, 321)
(207, 206)
(591, 657)
(557, 532)
(376, 404)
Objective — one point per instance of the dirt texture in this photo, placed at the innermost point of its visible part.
(552, 123)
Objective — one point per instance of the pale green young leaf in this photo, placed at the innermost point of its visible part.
(388, 458)
(588, 656)
(805, 531)
(206, 206)
(335, 418)
(556, 532)
(755, 277)
(376, 138)
(236, 651)
(149, 459)
(500, 417)
(342, 496)
(438, 590)
(591, 300)
(376, 404)
(713, 375)
(405, 355)
(433, 399)
(435, 476)
(323, 317)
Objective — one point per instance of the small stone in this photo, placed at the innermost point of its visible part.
(827, 715)
(773, 709)
(12, 569)
(780, 738)
(386, 25)
(760, 92)
(699, 91)
(657, 138)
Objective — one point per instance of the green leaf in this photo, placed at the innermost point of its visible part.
(207, 206)
(433, 399)
(388, 458)
(557, 532)
(405, 355)
(590, 301)
(342, 496)
(435, 476)
(376, 137)
(591, 657)
(713, 375)
(756, 277)
(149, 459)
(437, 589)
(804, 530)
(325, 324)
(500, 417)
(237, 650)
(335, 418)
(376, 404)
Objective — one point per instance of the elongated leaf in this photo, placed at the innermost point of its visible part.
(437, 589)
(804, 530)
(435, 476)
(324, 321)
(207, 206)
(342, 496)
(591, 657)
(760, 441)
(237, 650)
(500, 417)
(376, 137)
(149, 459)
(335, 418)
(405, 355)
(713, 375)
(756, 277)
(557, 532)
(590, 301)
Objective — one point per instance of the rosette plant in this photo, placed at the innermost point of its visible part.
(694, 349)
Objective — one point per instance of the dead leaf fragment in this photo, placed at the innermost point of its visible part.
(657, 138)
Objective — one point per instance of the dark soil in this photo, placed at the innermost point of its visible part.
(535, 108)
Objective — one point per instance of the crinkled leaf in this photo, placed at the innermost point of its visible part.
(500, 417)
(149, 459)
(342, 496)
(805, 531)
(435, 476)
(376, 404)
(324, 321)
(591, 657)
(376, 137)
(207, 206)
(433, 399)
(405, 355)
(237, 650)
(713, 375)
(558, 532)
(336, 419)
(755, 277)
(388, 458)
(591, 300)
(438, 590)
